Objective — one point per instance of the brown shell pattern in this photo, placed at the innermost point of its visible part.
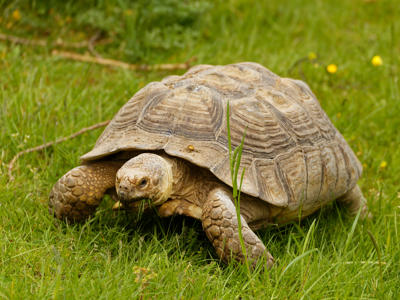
(292, 152)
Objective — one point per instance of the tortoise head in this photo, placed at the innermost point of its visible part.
(146, 176)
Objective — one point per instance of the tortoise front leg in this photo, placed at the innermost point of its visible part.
(77, 194)
(179, 207)
(353, 200)
(221, 226)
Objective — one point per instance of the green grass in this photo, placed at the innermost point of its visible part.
(43, 98)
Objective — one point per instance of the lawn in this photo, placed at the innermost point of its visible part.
(116, 255)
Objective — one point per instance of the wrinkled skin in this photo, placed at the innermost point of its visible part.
(145, 176)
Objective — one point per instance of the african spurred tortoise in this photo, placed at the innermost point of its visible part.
(169, 144)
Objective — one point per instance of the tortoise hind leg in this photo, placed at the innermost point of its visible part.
(221, 226)
(77, 194)
(353, 200)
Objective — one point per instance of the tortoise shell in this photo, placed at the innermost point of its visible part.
(292, 152)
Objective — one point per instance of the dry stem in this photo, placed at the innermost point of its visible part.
(92, 44)
(57, 42)
(41, 147)
(121, 64)
(97, 57)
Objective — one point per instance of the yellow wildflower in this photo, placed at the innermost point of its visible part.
(312, 56)
(383, 164)
(16, 15)
(377, 61)
(332, 68)
(338, 115)
(129, 12)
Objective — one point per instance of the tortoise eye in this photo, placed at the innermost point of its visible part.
(143, 183)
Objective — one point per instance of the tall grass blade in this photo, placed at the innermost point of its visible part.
(353, 227)
(239, 154)
(234, 159)
(375, 243)
(296, 260)
(311, 230)
(319, 278)
(242, 245)
(241, 181)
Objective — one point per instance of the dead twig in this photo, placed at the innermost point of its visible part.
(363, 262)
(22, 41)
(92, 42)
(58, 42)
(97, 57)
(121, 64)
(41, 147)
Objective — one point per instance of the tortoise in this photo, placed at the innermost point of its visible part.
(169, 144)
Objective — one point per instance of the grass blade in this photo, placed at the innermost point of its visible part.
(375, 243)
(308, 235)
(296, 260)
(353, 227)
(242, 245)
(239, 155)
(234, 160)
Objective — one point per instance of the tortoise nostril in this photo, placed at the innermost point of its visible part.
(123, 187)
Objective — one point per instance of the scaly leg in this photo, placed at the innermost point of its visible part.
(353, 200)
(221, 226)
(77, 194)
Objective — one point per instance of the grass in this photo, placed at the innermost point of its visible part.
(235, 157)
(42, 98)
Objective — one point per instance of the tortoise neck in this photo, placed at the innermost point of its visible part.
(190, 182)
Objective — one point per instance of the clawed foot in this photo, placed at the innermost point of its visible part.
(221, 226)
(77, 194)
